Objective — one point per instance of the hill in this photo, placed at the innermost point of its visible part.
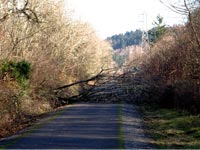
(120, 41)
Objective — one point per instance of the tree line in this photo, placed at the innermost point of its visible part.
(120, 41)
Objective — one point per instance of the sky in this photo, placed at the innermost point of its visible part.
(109, 17)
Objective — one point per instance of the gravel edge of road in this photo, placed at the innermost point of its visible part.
(134, 129)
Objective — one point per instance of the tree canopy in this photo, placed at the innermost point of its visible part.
(158, 30)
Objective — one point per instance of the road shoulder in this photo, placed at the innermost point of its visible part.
(134, 129)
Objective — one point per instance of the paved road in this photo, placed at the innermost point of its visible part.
(85, 126)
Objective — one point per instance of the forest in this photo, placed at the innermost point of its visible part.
(130, 38)
(121, 41)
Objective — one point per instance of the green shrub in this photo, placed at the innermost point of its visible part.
(17, 70)
(23, 69)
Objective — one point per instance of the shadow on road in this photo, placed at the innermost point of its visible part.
(85, 126)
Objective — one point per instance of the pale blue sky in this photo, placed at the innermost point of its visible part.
(110, 17)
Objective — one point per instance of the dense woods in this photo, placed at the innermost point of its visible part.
(42, 48)
(120, 41)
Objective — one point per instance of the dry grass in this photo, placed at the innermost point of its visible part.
(17, 110)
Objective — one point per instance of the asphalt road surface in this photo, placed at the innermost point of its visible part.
(85, 126)
(82, 126)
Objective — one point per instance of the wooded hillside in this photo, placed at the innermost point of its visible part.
(120, 41)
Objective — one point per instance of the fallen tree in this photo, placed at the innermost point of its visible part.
(108, 87)
(96, 77)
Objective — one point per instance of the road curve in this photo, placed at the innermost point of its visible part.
(80, 126)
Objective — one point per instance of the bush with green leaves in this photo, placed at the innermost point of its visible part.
(20, 71)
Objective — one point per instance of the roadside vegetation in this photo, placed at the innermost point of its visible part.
(172, 129)
(41, 48)
(169, 74)
(165, 81)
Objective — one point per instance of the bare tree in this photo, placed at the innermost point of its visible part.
(20, 8)
(185, 7)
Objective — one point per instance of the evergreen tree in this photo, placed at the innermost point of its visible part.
(158, 31)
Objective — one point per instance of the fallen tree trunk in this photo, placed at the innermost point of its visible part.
(107, 88)
(64, 99)
(98, 76)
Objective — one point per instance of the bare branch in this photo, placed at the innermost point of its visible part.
(25, 11)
